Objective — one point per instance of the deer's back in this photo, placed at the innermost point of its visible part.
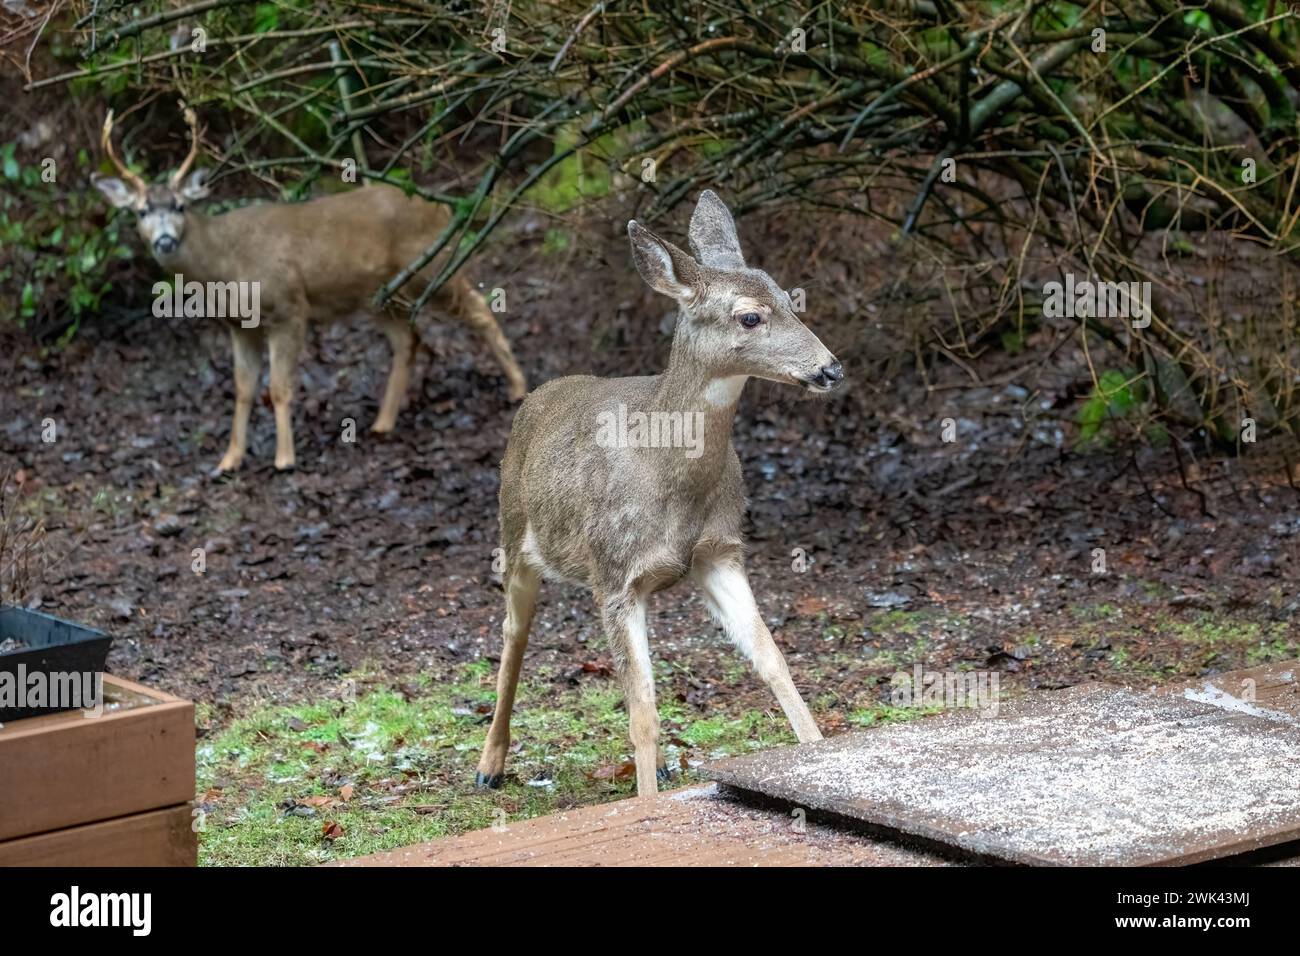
(339, 249)
(593, 512)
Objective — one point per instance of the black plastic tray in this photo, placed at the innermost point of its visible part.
(53, 646)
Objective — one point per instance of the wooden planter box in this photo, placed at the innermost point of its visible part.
(109, 790)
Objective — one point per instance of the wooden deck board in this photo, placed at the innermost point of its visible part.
(693, 826)
(1271, 691)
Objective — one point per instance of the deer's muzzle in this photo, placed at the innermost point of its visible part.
(827, 378)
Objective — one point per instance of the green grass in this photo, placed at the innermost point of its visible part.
(1266, 652)
(904, 622)
(396, 766)
(1121, 660)
(723, 734)
(1204, 637)
(1210, 630)
(875, 714)
(1097, 612)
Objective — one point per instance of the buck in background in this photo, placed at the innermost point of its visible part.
(318, 260)
(627, 515)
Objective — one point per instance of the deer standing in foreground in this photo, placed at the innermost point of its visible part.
(627, 520)
(318, 260)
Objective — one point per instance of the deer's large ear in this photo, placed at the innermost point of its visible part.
(665, 268)
(118, 193)
(195, 186)
(713, 234)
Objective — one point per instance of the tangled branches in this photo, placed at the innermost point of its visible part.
(1011, 142)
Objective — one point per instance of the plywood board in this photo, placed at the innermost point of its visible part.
(1093, 775)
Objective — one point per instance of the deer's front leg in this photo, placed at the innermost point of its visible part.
(247, 349)
(624, 617)
(285, 344)
(726, 587)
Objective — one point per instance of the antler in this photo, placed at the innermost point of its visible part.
(106, 140)
(193, 122)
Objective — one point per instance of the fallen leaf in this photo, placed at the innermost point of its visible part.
(810, 606)
(622, 771)
(601, 666)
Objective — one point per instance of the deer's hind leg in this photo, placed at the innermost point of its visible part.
(624, 617)
(721, 575)
(521, 585)
(285, 344)
(465, 302)
(402, 338)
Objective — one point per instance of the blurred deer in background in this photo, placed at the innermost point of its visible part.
(630, 514)
(319, 260)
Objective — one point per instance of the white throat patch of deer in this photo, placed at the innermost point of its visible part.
(627, 485)
(314, 261)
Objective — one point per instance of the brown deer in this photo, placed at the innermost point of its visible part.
(627, 485)
(318, 260)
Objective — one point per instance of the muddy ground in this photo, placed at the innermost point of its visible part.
(375, 557)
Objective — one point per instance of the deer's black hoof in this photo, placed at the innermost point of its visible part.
(485, 781)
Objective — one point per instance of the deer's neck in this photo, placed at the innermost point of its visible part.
(691, 384)
(693, 387)
(200, 254)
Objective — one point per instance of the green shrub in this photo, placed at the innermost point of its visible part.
(55, 257)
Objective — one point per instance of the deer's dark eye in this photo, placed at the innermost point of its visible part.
(750, 320)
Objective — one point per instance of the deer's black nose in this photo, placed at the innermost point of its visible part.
(828, 376)
(164, 245)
